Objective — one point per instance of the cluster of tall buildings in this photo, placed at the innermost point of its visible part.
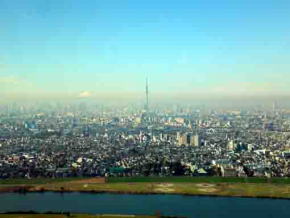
(187, 138)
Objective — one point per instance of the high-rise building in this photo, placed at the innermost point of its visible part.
(187, 139)
(181, 139)
(194, 140)
(231, 145)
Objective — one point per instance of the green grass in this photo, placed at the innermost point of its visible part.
(173, 179)
(71, 216)
(23, 181)
(190, 188)
(199, 180)
(219, 186)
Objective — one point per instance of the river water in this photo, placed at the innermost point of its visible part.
(179, 205)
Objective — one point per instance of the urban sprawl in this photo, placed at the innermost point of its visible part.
(87, 140)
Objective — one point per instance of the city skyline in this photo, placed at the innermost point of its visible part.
(144, 108)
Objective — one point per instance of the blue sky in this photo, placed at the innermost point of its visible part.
(202, 47)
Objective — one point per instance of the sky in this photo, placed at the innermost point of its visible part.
(109, 47)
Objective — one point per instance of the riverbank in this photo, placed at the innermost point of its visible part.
(173, 185)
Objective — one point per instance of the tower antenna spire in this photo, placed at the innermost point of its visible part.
(147, 95)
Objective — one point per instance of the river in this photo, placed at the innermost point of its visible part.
(105, 203)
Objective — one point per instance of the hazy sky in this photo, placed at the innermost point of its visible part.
(198, 47)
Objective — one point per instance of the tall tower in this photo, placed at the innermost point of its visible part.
(147, 96)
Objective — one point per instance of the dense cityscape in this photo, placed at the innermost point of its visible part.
(88, 140)
(144, 109)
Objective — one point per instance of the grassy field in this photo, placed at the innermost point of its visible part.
(214, 186)
(70, 216)
(173, 179)
(200, 179)
(35, 181)
(274, 190)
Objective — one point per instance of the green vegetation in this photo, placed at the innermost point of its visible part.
(23, 181)
(217, 186)
(173, 179)
(200, 180)
(70, 216)
(273, 190)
